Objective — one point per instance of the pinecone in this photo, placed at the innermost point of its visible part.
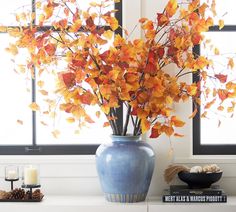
(17, 193)
(4, 195)
(27, 195)
(37, 195)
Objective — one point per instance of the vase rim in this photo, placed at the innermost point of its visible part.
(125, 138)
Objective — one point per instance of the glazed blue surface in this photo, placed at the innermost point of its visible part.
(125, 167)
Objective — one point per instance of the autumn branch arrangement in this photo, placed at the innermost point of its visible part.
(145, 75)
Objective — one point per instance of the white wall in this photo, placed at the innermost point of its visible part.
(77, 174)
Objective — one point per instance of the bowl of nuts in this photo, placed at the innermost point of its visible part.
(201, 177)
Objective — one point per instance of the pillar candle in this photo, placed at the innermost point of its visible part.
(30, 175)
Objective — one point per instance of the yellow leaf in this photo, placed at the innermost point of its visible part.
(55, 133)
(98, 113)
(216, 51)
(3, 29)
(14, 32)
(105, 109)
(34, 106)
(221, 24)
(40, 83)
(113, 22)
(43, 123)
(38, 4)
(70, 120)
(169, 100)
(43, 92)
(108, 34)
(12, 49)
(231, 63)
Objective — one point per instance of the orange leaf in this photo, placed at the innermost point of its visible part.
(221, 77)
(193, 114)
(34, 106)
(220, 108)
(142, 20)
(20, 122)
(223, 94)
(162, 19)
(89, 120)
(145, 125)
(177, 122)
(106, 124)
(178, 135)
(171, 8)
(209, 104)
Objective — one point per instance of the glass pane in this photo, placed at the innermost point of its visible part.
(9, 9)
(92, 134)
(16, 119)
(210, 132)
(59, 11)
(225, 10)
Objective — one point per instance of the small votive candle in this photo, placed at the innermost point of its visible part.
(31, 175)
(11, 173)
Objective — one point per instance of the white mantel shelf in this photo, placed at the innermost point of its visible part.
(98, 204)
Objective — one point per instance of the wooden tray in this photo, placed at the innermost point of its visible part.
(22, 200)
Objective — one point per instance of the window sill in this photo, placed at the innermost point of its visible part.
(98, 203)
(50, 159)
(206, 159)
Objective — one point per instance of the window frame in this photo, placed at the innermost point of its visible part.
(198, 148)
(80, 149)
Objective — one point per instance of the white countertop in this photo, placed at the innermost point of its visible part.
(98, 203)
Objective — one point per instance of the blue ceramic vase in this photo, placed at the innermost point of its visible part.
(125, 168)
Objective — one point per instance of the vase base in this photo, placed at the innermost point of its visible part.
(125, 198)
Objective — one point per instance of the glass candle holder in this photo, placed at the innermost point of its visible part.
(31, 175)
(12, 173)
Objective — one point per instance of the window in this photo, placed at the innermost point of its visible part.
(208, 138)
(21, 131)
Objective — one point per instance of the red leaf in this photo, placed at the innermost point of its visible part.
(196, 38)
(50, 49)
(150, 68)
(160, 52)
(223, 94)
(162, 19)
(155, 133)
(89, 22)
(68, 79)
(221, 77)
